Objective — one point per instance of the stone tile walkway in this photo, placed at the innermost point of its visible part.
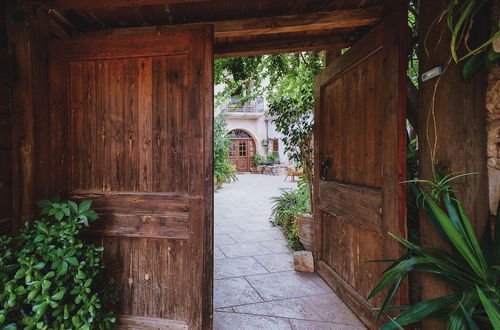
(255, 285)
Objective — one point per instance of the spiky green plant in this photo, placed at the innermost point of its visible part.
(472, 271)
(286, 207)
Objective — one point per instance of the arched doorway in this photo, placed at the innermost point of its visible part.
(242, 150)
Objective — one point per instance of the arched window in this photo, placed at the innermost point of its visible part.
(239, 134)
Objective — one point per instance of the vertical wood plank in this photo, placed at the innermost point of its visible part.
(145, 124)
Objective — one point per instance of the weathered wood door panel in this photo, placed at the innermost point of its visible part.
(241, 154)
(360, 156)
(132, 128)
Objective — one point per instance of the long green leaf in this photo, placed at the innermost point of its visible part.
(470, 322)
(493, 313)
(456, 238)
(390, 294)
(471, 236)
(444, 269)
(399, 269)
(496, 239)
(422, 311)
(453, 213)
(459, 317)
(456, 31)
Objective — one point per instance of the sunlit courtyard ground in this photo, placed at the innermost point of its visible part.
(255, 284)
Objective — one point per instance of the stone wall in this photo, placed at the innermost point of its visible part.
(493, 107)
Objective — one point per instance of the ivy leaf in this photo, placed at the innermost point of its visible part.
(39, 265)
(58, 296)
(72, 261)
(46, 284)
(43, 228)
(73, 206)
(66, 211)
(85, 205)
(59, 215)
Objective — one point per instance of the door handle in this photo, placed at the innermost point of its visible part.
(325, 165)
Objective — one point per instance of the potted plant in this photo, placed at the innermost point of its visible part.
(257, 159)
(291, 212)
(273, 158)
(304, 222)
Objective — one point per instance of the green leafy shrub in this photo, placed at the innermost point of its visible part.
(472, 271)
(286, 207)
(223, 169)
(50, 278)
(258, 159)
(273, 158)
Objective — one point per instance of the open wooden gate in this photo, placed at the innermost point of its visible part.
(132, 121)
(360, 156)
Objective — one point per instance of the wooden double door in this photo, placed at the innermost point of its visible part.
(132, 129)
(241, 154)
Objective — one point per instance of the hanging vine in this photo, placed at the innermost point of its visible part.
(459, 18)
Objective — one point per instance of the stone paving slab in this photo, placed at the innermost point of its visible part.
(286, 308)
(244, 249)
(233, 321)
(277, 262)
(233, 292)
(312, 325)
(285, 285)
(277, 246)
(237, 267)
(255, 286)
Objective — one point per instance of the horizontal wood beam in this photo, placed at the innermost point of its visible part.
(278, 45)
(95, 4)
(299, 23)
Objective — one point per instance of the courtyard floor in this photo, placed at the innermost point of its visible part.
(255, 285)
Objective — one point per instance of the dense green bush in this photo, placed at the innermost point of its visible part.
(50, 278)
(223, 169)
(258, 159)
(273, 157)
(286, 207)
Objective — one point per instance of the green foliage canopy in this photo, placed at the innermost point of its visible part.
(288, 76)
(289, 92)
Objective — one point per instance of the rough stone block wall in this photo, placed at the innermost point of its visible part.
(493, 107)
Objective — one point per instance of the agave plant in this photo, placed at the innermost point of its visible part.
(472, 271)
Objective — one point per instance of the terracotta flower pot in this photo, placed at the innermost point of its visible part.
(305, 227)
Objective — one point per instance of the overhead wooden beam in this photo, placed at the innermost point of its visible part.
(299, 23)
(277, 45)
(94, 4)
